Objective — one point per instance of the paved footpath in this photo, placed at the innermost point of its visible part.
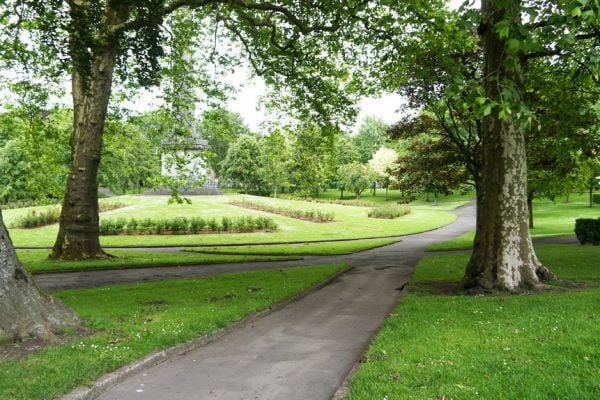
(306, 349)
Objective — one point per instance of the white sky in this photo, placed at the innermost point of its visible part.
(247, 99)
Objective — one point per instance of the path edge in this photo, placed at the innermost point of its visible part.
(111, 379)
(342, 390)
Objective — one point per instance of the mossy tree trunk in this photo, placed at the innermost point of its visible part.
(24, 310)
(503, 256)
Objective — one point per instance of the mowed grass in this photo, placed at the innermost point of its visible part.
(303, 249)
(134, 320)
(37, 261)
(549, 220)
(536, 346)
(350, 222)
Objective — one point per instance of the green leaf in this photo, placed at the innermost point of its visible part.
(514, 45)
(503, 29)
(487, 110)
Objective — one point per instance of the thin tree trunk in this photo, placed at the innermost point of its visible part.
(592, 193)
(503, 256)
(79, 235)
(341, 194)
(24, 311)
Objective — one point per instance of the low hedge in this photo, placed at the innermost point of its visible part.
(588, 230)
(389, 211)
(596, 198)
(185, 226)
(34, 219)
(305, 215)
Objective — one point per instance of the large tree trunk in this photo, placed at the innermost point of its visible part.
(24, 311)
(79, 235)
(503, 256)
(530, 209)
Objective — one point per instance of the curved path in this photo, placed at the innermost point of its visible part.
(304, 350)
(85, 279)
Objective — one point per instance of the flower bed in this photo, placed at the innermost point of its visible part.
(389, 211)
(305, 215)
(185, 226)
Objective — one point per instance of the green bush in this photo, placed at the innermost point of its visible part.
(596, 198)
(146, 225)
(213, 225)
(226, 224)
(34, 219)
(588, 230)
(197, 224)
(306, 215)
(132, 225)
(177, 225)
(182, 225)
(108, 206)
(389, 211)
(27, 203)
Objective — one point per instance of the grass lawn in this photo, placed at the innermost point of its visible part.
(549, 220)
(131, 321)
(36, 261)
(304, 249)
(350, 222)
(537, 346)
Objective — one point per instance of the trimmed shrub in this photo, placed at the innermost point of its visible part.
(182, 225)
(389, 211)
(226, 223)
(213, 225)
(34, 219)
(588, 230)
(596, 198)
(305, 215)
(197, 224)
(108, 206)
(28, 203)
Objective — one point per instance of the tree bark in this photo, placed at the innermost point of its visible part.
(79, 235)
(530, 209)
(24, 311)
(503, 256)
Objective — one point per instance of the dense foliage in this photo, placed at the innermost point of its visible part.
(588, 230)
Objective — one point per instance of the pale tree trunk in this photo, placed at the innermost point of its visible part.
(24, 311)
(79, 234)
(530, 209)
(503, 256)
